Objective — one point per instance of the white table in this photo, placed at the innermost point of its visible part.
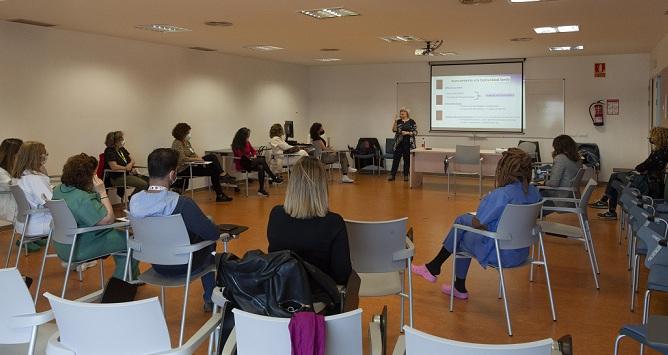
(430, 161)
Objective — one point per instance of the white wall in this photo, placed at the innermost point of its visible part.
(353, 101)
(659, 56)
(68, 89)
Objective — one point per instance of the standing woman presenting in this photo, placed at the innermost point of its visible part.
(405, 130)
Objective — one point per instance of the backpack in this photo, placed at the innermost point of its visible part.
(277, 284)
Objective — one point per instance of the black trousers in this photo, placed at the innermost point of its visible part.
(616, 180)
(403, 150)
(260, 165)
(212, 170)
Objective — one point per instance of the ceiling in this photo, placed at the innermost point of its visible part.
(472, 31)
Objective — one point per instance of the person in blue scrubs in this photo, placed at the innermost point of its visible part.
(513, 177)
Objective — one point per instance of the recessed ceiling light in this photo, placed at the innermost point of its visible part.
(327, 59)
(557, 29)
(567, 48)
(521, 39)
(162, 28)
(401, 38)
(264, 48)
(330, 12)
(203, 49)
(218, 23)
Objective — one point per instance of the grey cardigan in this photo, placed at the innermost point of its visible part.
(563, 171)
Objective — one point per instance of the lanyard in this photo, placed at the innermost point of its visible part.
(122, 156)
(156, 188)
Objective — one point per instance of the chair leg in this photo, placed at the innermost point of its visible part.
(410, 293)
(41, 269)
(162, 299)
(547, 277)
(101, 261)
(619, 337)
(645, 311)
(23, 234)
(591, 245)
(67, 269)
(11, 245)
(503, 288)
(185, 300)
(591, 253)
(403, 301)
(633, 285)
(533, 249)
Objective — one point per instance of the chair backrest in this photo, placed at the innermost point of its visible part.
(651, 238)
(577, 181)
(137, 327)
(586, 196)
(518, 223)
(22, 204)
(372, 244)
(64, 224)
(467, 154)
(389, 145)
(16, 301)
(156, 239)
(344, 334)
(100, 166)
(420, 343)
(533, 150)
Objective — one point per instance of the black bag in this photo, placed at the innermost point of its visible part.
(276, 284)
(118, 291)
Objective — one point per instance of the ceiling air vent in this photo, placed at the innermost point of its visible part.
(474, 2)
(203, 49)
(31, 22)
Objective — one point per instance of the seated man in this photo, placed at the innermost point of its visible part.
(159, 201)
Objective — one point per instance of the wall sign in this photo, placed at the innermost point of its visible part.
(599, 70)
(612, 106)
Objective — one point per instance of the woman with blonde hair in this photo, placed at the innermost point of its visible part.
(305, 225)
(279, 148)
(29, 173)
(648, 176)
(513, 177)
(405, 130)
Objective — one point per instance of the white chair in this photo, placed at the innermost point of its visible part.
(580, 233)
(420, 343)
(517, 229)
(130, 328)
(468, 157)
(164, 241)
(64, 230)
(23, 214)
(255, 334)
(572, 191)
(381, 254)
(22, 330)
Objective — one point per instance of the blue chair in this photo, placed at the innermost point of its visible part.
(638, 332)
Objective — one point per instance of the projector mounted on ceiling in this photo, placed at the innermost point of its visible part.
(429, 48)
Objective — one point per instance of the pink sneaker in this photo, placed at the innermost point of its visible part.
(422, 271)
(446, 289)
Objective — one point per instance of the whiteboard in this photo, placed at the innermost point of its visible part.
(544, 109)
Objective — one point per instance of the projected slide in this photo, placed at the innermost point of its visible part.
(478, 97)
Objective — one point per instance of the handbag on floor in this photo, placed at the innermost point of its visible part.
(118, 291)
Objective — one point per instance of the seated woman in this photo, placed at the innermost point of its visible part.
(566, 164)
(329, 155)
(29, 173)
(650, 180)
(85, 195)
(279, 148)
(8, 150)
(116, 157)
(513, 174)
(181, 144)
(305, 225)
(247, 159)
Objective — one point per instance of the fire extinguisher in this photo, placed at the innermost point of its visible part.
(597, 114)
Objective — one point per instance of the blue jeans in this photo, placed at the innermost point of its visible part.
(208, 280)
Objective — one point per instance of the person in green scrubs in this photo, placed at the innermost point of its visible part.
(85, 195)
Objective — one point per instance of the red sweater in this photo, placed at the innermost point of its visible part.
(248, 151)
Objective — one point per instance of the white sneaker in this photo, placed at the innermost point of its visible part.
(84, 266)
(352, 170)
(346, 179)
